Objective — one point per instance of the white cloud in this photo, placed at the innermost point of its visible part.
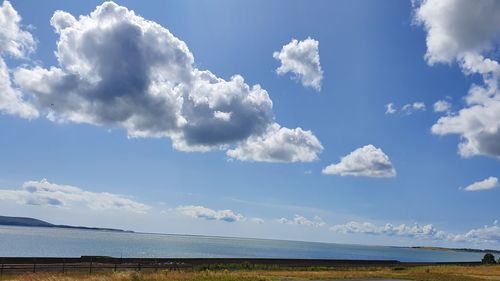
(226, 116)
(415, 231)
(13, 39)
(489, 183)
(453, 30)
(279, 145)
(356, 227)
(367, 161)
(389, 108)
(406, 109)
(485, 235)
(479, 123)
(302, 59)
(155, 92)
(257, 220)
(409, 108)
(44, 193)
(442, 106)
(201, 212)
(18, 43)
(418, 106)
(301, 220)
(454, 33)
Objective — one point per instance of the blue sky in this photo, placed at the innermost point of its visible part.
(371, 53)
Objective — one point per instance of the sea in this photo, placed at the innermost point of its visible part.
(62, 242)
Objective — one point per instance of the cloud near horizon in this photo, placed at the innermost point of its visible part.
(415, 231)
(156, 92)
(301, 220)
(367, 161)
(47, 194)
(200, 212)
(484, 235)
(302, 59)
(455, 34)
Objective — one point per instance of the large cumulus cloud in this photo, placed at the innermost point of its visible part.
(457, 27)
(467, 32)
(18, 43)
(118, 69)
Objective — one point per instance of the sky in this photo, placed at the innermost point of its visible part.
(367, 122)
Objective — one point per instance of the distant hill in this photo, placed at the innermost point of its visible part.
(20, 221)
(23, 221)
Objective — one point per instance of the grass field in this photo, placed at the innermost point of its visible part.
(424, 273)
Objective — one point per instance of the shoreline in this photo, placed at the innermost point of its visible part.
(467, 250)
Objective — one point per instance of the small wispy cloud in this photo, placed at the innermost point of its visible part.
(257, 220)
(389, 108)
(410, 108)
(442, 106)
(406, 109)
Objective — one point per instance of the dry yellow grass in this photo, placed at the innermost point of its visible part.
(427, 273)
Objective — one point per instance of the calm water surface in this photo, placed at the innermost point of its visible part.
(60, 242)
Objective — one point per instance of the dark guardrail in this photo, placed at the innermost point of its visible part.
(91, 264)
